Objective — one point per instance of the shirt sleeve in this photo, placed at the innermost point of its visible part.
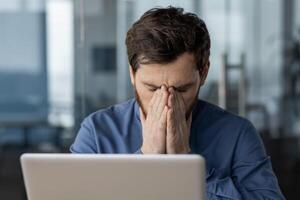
(85, 141)
(252, 176)
(252, 173)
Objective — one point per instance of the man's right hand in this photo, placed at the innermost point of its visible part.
(155, 124)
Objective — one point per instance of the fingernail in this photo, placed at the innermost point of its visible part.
(163, 87)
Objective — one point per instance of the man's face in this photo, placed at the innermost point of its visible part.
(181, 74)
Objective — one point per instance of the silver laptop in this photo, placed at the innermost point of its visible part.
(113, 177)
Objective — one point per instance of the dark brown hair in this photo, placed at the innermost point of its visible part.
(163, 34)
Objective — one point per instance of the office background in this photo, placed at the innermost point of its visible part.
(63, 59)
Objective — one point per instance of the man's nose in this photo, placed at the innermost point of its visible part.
(167, 88)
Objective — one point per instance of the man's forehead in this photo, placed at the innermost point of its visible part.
(157, 79)
(154, 72)
(185, 61)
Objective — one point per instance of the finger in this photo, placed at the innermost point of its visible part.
(177, 113)
(181, 100)
(171, 90)
(170, 133)
(178, 102)
(152, 103)
(171, 101)
(142, 116)
(157, 100)
(175, 104)
(170, 122)
(152, 99)
(163, 118)
(163, 102)
(181, 103)
(174, 93)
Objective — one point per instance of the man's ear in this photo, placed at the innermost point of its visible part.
(203, 74)
(131, 72)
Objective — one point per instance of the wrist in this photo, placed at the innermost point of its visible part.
(186, 150)
(146, 150)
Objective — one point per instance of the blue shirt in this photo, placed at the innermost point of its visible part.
(236, 163)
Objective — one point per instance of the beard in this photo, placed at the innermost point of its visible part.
(187, 113)
(138, 99)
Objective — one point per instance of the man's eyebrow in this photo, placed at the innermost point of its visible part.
(186, 85)
(150, 85)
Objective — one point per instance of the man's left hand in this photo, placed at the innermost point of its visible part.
(178, 127)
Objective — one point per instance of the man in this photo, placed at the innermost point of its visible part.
(168, 52)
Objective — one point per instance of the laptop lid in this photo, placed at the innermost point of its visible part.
(113, 177)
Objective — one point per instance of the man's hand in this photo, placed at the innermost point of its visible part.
(155, 125)
(178, 128)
